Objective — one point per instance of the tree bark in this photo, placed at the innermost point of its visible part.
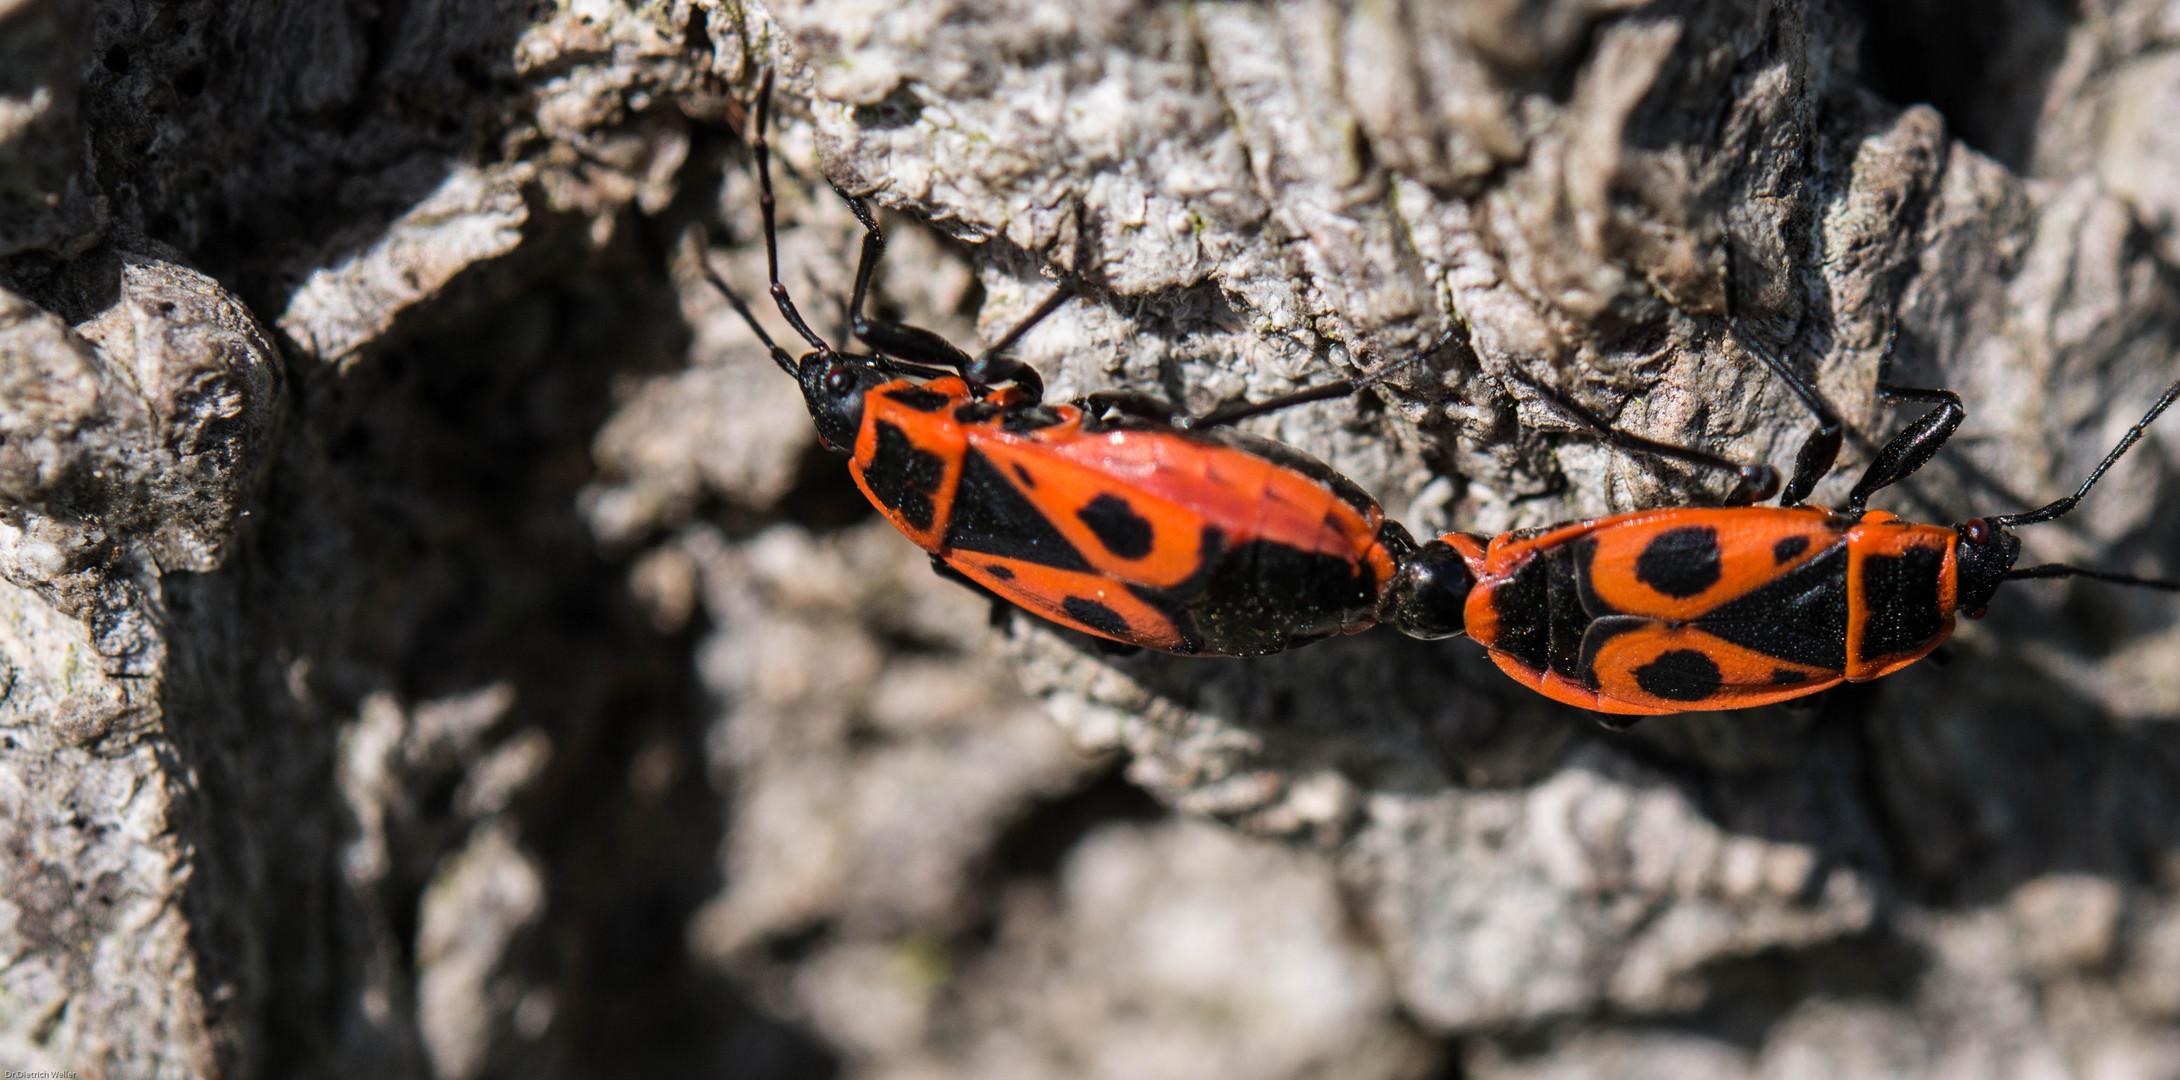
(435, 645)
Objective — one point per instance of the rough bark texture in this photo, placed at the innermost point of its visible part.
(467, 666)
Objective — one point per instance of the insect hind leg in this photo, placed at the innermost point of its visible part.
(1755, 482)
(1133, 403)
(1332, 391)
(1820, 450)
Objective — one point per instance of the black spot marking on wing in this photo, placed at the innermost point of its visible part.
(1028, 482)
(992, 517)
(998, 571)
(1799, 617)
(1900, 602)
(1680, 675)
(1789, 676)
(1680, 562)
(1788, 548)
(1096, 616)
(903, 478)
(918, 398)
(1117, 526)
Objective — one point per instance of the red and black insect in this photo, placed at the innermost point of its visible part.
(1673, 610)
(1114, 516)
(1110, 515)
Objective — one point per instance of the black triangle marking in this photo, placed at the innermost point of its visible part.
(992, 516)
(1801, 617)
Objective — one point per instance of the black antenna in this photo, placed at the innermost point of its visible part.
(693, 240)
(761, 142)
(2057, 570)
(2060, 507)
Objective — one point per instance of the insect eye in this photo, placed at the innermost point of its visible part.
(1977, 531)
(838, 381)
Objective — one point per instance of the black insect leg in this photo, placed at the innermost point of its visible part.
(761, 142)
(990, 367)
(1246, 410)
(917, 345)
(1158, 410)
(1240, 411)
(1821, 449)
(1131, 403)
(900, 341)
(1912, 448)
(1757, 482)
(866, 261)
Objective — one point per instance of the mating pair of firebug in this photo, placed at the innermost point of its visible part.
(1119, 517)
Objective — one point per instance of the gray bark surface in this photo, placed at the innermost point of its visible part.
(432, 643)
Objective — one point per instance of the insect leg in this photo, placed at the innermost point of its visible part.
(1245, 410)
(1757, 482)
(1131, 402)
(866, 262)
(1821, 449)
(916, 345)
(900, 341)
(990, 367)
(1912, 448)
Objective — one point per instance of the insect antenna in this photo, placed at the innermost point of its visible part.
(2059, 570)
(2061, 507)
(760, 142)
(693, 241)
